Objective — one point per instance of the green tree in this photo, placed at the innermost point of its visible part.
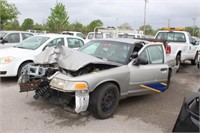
(125, 26)
(27, 24)
(148, 30)
(58, 20)
(13, 25)
(93, 24)
(194, 31)
(38, 27)
(8, 12)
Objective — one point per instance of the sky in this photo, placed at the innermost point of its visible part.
(159, 13)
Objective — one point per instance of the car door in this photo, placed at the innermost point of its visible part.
(150, 77)
(193, 47)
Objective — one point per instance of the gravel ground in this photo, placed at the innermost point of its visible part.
(156, 113)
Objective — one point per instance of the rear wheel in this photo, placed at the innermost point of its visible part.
(104, 101)
(193, 62)
(178, 61)
(169, 78)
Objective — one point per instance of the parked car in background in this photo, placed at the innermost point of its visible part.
(73, 33)
(96, 35)
(13, 59)
(37, 32)
(130, 35)
(11, 38)
(99, 74)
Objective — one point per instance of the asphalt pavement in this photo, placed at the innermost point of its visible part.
(156, 113)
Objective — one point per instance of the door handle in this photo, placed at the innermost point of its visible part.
(163, 69)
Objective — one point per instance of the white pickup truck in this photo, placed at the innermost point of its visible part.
(179, 45)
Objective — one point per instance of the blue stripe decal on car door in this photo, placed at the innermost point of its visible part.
(157, 86)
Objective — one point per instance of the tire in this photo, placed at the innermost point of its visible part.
(178, 62)
(193, 62)
(169, 78)
(104, 101)
(20, 70)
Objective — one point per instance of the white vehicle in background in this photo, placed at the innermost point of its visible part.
(130, 35)
(37, 32)
(73, 33)
(179, 44)
(11, 38)
(13, 59)
(96, 35)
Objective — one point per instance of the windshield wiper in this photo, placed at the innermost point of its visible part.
(19, 47)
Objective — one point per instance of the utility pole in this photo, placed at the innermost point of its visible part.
(194, 19)
(145, 5)
(168, 22)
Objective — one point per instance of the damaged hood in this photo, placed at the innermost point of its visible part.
(68, 58)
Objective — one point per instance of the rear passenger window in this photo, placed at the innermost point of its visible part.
(154, 54)
(80, 35)
(58, 41)
(26, 35)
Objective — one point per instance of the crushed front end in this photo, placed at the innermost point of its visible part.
(41, 79)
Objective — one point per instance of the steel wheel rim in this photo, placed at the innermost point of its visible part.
(108, 101)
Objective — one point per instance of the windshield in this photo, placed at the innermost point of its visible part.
(97, 36)
(2, 34)
(108, 50)
(32, 42)
(171, 36)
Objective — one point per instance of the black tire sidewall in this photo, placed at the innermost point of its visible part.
(178, 62)
(98, 97)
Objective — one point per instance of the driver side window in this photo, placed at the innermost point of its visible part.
(13, 38)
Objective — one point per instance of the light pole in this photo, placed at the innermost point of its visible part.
(194, 19)
(145, 5)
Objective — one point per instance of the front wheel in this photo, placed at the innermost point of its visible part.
(21, 68)
(104, 101)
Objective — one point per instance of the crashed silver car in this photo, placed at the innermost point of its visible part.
(99, 74)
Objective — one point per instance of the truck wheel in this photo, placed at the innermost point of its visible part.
(169, 78)
(104, 101)
(193, 62)
(178, 61)
(20, 70)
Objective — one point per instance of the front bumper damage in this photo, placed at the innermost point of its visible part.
(36, 78)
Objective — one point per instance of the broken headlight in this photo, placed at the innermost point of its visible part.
(68, 85)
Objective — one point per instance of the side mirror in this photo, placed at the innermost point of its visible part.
(140, 61)
(4, 41)
(194, 42)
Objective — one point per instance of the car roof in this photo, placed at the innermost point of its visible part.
(57, 35)
(172, 31)
(124, 40)
(70, 32)
(9, 31)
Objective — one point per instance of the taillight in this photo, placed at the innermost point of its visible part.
(168, 49)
